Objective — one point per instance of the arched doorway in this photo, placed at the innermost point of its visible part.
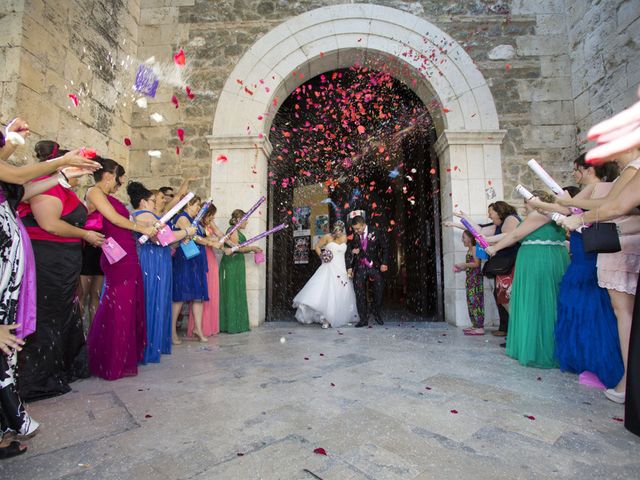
(353, 141)
(434, 65)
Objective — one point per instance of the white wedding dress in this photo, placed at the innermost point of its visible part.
(328, 296)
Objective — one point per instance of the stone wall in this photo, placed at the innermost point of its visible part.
(75, 48)
(519, 46)
(540, 71)
(604, 41)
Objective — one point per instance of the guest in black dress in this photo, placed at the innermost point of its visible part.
(55, 354)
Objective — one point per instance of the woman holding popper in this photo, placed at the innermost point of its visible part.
(190, 271)
(234, 312)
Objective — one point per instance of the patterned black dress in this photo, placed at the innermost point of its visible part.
(13, 417)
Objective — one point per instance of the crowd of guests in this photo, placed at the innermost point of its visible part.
(65, 259)
(565, 307)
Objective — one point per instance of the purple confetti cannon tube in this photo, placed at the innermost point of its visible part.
(243, 219)
(479, 238)
(282, 226)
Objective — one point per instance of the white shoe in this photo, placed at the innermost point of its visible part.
(29, 428)
(614, 396)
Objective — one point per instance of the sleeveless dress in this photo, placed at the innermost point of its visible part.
(118, 335)
(189, 275)
(55, 355)
(155, 263)
(234, 312)
(619, 271)
(586, 329)
(474, 287)
(541, 263)
(328, 295)
(211, 307)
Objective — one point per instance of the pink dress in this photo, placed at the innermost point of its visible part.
(117, 338)
(619, 271)
(211, 308)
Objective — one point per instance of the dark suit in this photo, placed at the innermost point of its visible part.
(366, 265)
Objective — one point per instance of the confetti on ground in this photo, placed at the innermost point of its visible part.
(156, 117)
(320, 451)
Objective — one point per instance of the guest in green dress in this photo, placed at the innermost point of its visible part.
(234, 313)
(540, 265)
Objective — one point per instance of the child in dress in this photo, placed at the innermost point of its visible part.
(474, 285)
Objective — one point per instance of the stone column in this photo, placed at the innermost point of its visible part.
(238, 182)
(470, 179)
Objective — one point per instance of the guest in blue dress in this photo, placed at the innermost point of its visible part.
(586, 331)
(190, 274)
(155, 262)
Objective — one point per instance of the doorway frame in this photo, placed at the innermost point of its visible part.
(340, 36)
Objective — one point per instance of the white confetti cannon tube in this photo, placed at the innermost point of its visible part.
(524, 193)
(243, 219)
(545, 177)
(527, 195)
(282, 226)
(479, 238)
(170, 214)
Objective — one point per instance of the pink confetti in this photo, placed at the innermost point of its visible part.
(177, 150)
(190, 94)
(74, 99)
(222, 159)
(174, 100)
(455, 412)
(320, 451)
(127, 141)
(530, 417)
(180, 133)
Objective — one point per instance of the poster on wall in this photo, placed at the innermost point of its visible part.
(301, 221)
(301, 250)
(322, 225)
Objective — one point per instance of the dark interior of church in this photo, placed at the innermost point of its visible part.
(392, 175)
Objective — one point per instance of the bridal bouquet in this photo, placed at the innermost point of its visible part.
(326, 256)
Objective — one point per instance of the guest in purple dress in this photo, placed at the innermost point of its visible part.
(117, 337)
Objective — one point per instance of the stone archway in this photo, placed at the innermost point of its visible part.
(336, 37)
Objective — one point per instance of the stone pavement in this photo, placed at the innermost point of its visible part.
(403, 401)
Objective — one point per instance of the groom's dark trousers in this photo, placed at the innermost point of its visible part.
(360, 279)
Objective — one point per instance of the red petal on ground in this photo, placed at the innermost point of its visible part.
(74, 99)
(320, 451)
(222, 159)
(180, 133)
(174, 100)
(454, 411)
(127, 141)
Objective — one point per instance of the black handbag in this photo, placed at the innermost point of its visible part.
(601, 238)
(498, 266)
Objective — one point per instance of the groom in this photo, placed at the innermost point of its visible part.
(367, 258)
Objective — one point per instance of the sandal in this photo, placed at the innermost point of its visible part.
(12, 450)
(474, 332)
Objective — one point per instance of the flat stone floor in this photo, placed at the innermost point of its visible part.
(403, 401)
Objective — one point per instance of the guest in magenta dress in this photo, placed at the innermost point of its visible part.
(211, 307)
(117, 337)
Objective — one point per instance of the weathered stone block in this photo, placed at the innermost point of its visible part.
(552, 113)
(541, 45)
(543, 136)
(502, 52)
(157, 16)
(551, 24)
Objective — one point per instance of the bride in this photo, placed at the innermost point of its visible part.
(328, 297)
